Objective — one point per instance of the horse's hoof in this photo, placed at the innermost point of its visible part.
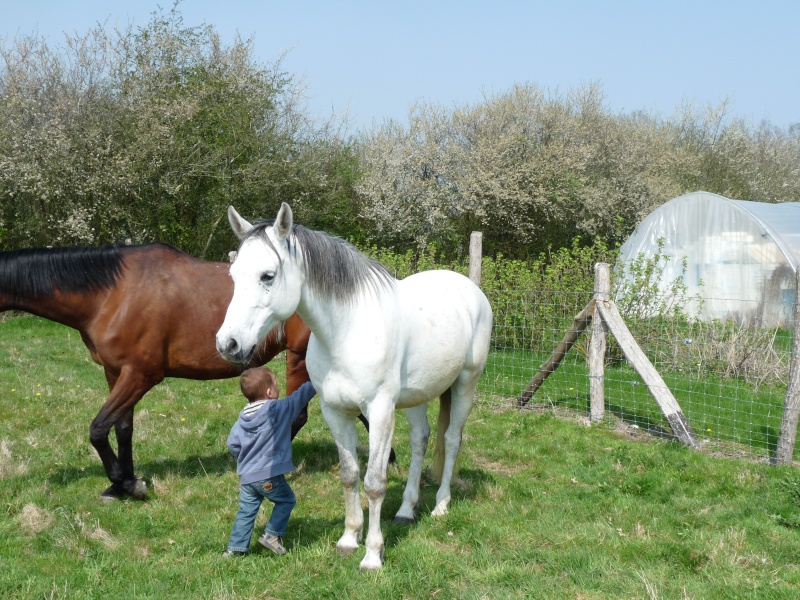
(345, 550)
(403, 520)
(139, 491)
(369, 568)
(110, 494)
(348, 543)
(440, 510)
(371, 563)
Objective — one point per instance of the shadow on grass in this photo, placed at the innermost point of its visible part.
(191, 466)
(464, 489)
(316, 456)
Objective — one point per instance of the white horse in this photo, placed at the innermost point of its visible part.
(377, 344)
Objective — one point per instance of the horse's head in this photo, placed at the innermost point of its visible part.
(267, 283)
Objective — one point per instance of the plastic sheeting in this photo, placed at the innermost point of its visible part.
(740, 256)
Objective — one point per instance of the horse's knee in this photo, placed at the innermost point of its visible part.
(375, 485)
(349, 474)
(98, 433)
(419, 438)
(453, 436)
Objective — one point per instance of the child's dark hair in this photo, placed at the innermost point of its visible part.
(257, 382)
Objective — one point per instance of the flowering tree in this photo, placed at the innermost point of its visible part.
(534, 172)
(147, 134)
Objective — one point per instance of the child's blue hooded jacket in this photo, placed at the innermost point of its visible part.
(261, 437)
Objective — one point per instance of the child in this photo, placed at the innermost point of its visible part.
(260, 441)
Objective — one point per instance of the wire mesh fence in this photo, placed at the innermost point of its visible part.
(729, 378)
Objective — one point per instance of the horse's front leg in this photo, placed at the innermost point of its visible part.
(381, 431)
(296, 375)
(126, 391)
(343, 429)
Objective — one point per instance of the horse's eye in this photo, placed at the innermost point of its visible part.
(267, 276)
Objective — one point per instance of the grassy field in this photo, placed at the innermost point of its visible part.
(543, 507)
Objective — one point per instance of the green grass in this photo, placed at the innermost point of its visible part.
(542, 508)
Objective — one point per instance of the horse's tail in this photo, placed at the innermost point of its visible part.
(443, 424)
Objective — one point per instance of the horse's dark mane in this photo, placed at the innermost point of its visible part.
(38, 272)
(334, 267)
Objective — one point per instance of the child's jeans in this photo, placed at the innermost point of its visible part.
(251, 495)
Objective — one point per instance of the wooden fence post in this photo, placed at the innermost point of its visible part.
(597, 345)
(549, 366)
(791, 406)
(639, 361)
(475, 256)
(602, 308)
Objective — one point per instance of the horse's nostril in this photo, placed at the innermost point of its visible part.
(233, 347)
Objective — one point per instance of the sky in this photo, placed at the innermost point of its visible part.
(372, 60)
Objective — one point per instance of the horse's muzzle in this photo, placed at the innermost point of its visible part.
(233, 352)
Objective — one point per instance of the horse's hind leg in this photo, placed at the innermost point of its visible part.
(126, 391)
(419, 432)
(123, 429)
(459, 398)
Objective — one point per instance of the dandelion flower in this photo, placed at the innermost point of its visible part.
(183, 419)
(38, 393)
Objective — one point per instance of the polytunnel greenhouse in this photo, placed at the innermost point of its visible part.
(737, 258)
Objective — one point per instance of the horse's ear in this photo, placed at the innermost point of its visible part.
(239, 225)
(283, 222)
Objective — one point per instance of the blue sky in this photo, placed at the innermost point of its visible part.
(375, 58)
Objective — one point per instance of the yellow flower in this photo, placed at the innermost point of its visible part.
(38, 393)
(13, 389)
(708, 430)
(183, 419)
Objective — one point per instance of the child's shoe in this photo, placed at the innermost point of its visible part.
(272, 542)
(231, 553)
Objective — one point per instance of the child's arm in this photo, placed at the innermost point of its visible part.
(305, 393)
(299, 399)
(234, 445)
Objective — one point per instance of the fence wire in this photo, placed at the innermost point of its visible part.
(729, 378)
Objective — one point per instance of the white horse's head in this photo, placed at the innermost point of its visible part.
(267, 284)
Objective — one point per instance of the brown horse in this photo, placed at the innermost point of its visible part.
(145, 313)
